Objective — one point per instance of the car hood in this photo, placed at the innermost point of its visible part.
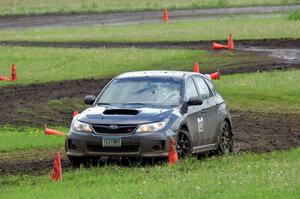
(125, 114)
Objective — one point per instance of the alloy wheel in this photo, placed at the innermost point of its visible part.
(226, 140)
(183, 144)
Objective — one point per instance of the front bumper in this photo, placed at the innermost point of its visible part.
(133, 145)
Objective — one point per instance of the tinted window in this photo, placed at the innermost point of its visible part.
(191, 90)
(144, 90)
(202, 87)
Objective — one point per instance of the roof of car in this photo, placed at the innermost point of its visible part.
(158, 73)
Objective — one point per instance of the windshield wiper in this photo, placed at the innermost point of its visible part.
(100, 103)
(141, 104)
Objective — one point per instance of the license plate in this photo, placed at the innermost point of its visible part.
(111, 142)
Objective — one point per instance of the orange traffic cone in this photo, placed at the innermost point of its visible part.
(3, 78)
(215, 75)
(13, 76)
(53, 132)
(166, 17)
(217, 46)
(57, 171)
(173, 157)
(75, 113)
(230, 42)
(196, 68)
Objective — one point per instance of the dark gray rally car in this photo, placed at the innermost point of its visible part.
(136, 114)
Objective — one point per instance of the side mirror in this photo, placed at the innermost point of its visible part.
(193, 101)
(89, 99)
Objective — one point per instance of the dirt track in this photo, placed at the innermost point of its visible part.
(193, 45)
(131, 17)
(257, 132)
(19, 99)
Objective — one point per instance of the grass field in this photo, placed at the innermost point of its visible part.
(294, 15)
(269, 91)
(272, 175)
(22, 138)
(55, 64)
(243, 27)
(9, 7)
(36, 65)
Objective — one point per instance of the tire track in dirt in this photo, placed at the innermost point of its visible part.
(285, 43)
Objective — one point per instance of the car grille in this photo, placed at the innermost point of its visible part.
(123, 149)
(113, 129)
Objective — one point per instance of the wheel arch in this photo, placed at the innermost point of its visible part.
(229, 123)
(184, 126)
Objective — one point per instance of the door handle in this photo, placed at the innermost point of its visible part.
(203, 110)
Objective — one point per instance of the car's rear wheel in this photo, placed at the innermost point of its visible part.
(226, 140)
(184, 145)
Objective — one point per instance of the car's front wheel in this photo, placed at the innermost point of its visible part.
(226, 140)
(77, 161)
(184, 146)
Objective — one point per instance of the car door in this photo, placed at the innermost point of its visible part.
(193, 112)
(209, 112)
(219, 101)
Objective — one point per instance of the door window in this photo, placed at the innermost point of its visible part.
(202, 87)
(211, 86)
(191, 90)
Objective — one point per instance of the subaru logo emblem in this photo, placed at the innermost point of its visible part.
(113, 127)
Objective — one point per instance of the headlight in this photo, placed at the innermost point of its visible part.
(151, 127)
(80, 126)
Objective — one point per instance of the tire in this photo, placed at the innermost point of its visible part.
(184, 146)
(95, 161)
(226, 140)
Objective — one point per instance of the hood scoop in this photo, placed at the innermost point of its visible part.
(120, 112)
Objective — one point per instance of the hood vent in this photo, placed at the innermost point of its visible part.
(120, 112)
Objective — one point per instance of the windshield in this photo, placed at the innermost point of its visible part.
(142, 90)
